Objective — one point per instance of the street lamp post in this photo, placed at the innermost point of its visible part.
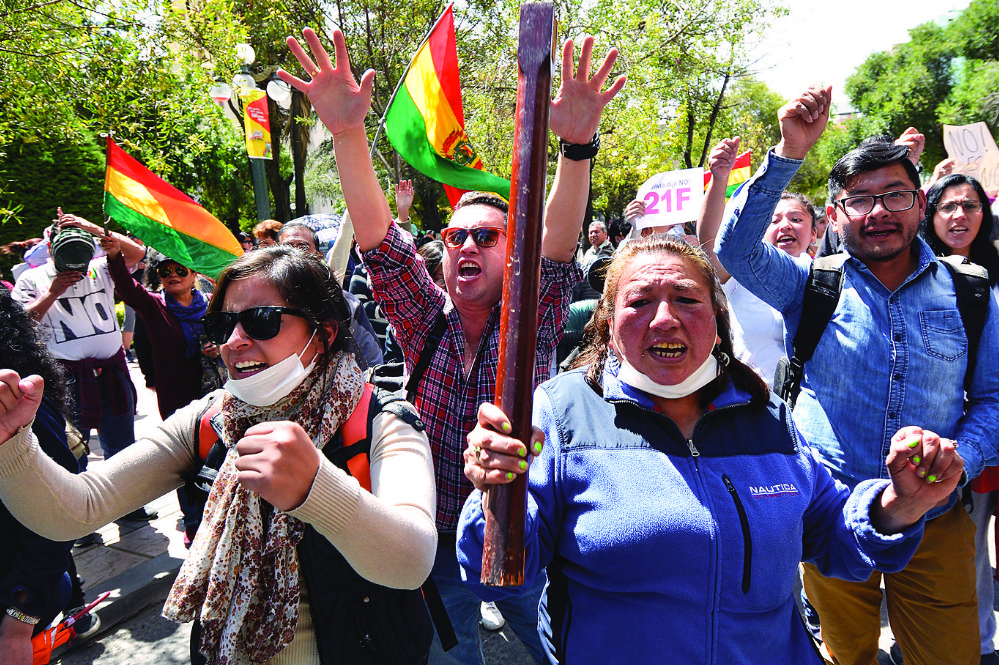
(243, 82)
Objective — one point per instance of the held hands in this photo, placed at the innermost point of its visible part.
(914, 141)
(111, 246)
(576, 109)
(64, 219)
(634, 210)
(802, 121)
(63, 281)
(278, 461)
(19, 400)
(924, 470)
(338, 99)
(722, 158)
(493, 458)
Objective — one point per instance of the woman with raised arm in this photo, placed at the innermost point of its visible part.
(758, 325)
(296, 561)
(959, 221)
(673, 498)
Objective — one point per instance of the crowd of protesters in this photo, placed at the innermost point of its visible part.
(679, 509)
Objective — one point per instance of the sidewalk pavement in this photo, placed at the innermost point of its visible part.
(136, 561)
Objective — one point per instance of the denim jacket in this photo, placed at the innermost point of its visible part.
(886, 359)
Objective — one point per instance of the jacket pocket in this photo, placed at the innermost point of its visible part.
(943, 334)
(747, 538)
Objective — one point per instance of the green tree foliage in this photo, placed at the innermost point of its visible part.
(141, 69)
(945, 74)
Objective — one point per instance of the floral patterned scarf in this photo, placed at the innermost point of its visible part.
(241, 576)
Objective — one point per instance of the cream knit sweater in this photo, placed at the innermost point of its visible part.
(387, 535)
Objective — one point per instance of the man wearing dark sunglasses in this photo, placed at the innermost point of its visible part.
(458, 330)
(895, 353)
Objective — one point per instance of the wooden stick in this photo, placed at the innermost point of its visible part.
(503, 551)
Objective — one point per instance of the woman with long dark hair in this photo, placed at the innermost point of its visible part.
(959, 221)
(296, 562)
(35, 582)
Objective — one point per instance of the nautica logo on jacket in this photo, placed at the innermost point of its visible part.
(782, 489)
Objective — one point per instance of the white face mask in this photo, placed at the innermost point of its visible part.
(274, 383)
(701, 377)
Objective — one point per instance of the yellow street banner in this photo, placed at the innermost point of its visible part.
(256, 121)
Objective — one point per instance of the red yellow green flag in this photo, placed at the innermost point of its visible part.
(425, 122)
(164, 217)
(740, 174)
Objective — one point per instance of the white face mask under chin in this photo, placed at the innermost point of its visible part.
(701, 377)
(273, 384)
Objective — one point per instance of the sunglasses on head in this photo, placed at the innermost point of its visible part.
(486, 236)
(260, 323)
(172, 269)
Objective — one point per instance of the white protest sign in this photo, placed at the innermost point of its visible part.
(974, 152)
(673, 197)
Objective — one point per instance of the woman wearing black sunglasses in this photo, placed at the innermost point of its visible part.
(172, 317)
(287, 535)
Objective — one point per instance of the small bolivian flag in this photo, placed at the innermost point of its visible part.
(740, 174)
(425, 122)
(164, 217)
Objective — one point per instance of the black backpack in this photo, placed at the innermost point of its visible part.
(822, 291)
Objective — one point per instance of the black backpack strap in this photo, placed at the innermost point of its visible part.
(971, 284)
(426, 355)
(821, 297)
(438, 614)
(386, 400)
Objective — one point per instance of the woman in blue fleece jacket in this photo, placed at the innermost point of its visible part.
(673, 498)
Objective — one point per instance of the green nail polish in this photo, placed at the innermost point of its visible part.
(522, 452)
(931, 479)
(913, 441)
(915, 459)
(509, 475)
(507, 427)
(922, 472)
(537, 446)
(523, 465)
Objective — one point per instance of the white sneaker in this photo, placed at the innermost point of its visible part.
(491, 619)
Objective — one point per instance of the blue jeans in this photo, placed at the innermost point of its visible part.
(983, 505)
(520, 612)
(116, 432)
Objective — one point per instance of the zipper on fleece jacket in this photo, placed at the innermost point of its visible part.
(747, 540)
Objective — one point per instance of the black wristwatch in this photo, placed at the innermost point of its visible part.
(579, 152)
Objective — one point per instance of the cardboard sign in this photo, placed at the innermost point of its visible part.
(673, 197)
(974, 153)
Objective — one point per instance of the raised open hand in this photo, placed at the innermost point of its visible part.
(338, 99)
(802, 121)
(576, 109)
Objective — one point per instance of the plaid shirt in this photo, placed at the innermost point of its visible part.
(447, 399)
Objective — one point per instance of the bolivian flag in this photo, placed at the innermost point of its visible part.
(740, 174)
(164, 217)
(425, 122)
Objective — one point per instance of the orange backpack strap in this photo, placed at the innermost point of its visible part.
(207, 436)
(354, 430)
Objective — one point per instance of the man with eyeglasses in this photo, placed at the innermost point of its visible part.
(74, 305)
(894, 354)
(457, 330)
